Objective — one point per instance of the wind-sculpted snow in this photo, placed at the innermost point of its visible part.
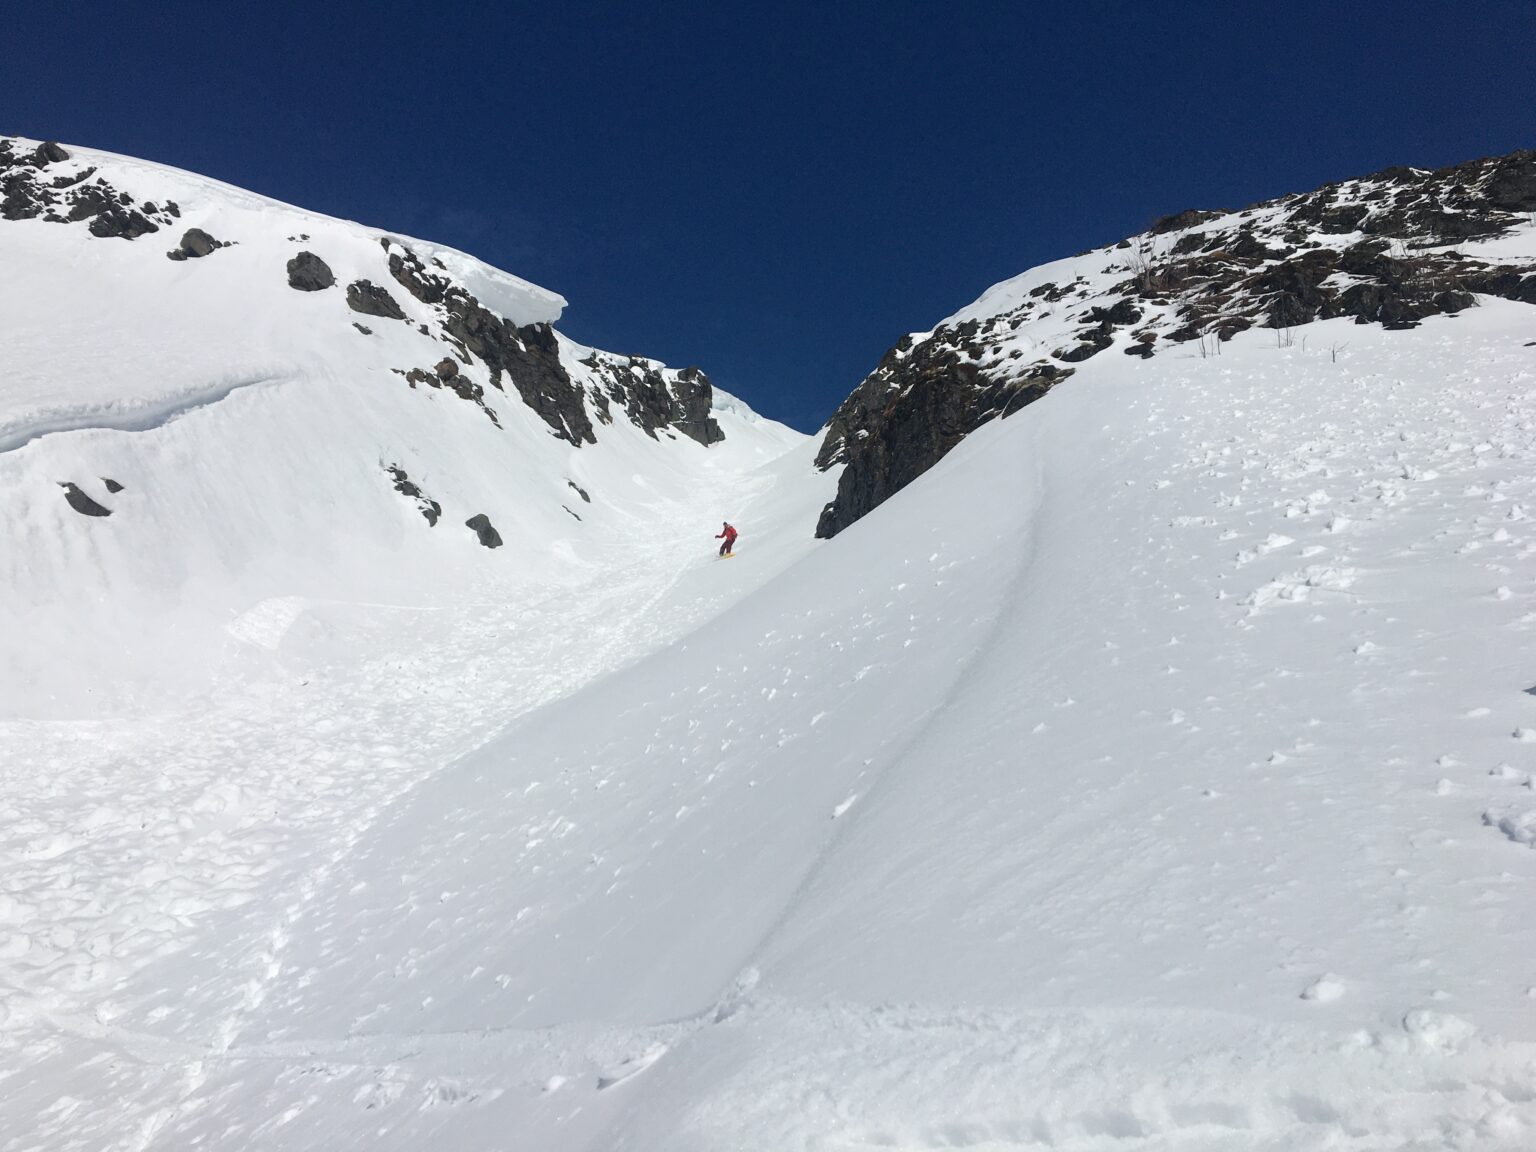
(44, 181)
(1141, 777)
(1151, 773)
(140, 417)
(133, 356)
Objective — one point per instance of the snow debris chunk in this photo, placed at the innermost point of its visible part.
(1439, 1030)
(1325, 989)
(1519, 824)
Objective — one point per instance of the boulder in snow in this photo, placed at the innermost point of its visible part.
(308, 273)
(368, 298)
(481, 523)
(82, 503)
(195, 243)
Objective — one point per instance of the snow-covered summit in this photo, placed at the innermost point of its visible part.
(1390, 249)
(208, 397)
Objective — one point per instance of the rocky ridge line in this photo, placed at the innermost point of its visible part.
(1382, 249)
(656, 399)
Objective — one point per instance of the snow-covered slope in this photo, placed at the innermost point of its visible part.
(1149, 774)
(308, 412)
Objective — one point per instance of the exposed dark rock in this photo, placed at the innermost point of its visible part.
(1508, 283)
(1511, 185)
(69, 181)
(82, 503)
(572, 513)
(1282, 267)
(1121, 312)
(1248, 249)
(457, 383)
(529, 356)
(91, 200)
(308, 273)
(692, 401)
(482, 526)
(1452, 301)
(124, 223)
(27, 193)
(48, 153)
(363, 329)
(112, 485)
(1092, 345)
(1346, 219)
(655, 398)
(1181, 220)
(580, 491)
(429, 508)
(921, 401)
(368, 298)
(195, 243)
(446, 368)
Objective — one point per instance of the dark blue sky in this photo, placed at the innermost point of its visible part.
(774, 192)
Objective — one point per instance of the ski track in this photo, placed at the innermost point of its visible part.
(1390, 522)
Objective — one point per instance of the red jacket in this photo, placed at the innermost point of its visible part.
(728, 534)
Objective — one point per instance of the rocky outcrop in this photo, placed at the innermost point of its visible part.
(368, 298)
(692, 400)
(481, 524)
(429, 508)
(655, 398)
(924, 398)
(1382, 250)
(527, 357)
(30, 191)
(457, 383)
(490, 352)
(195, 243)
(82, 503)
(308, 273)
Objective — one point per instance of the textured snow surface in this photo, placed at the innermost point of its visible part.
(249, 429)
(168, 335)
(1153, 775)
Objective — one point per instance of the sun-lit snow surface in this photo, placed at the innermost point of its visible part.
(1153, 775)
(1141, 778)
(251, 425)
(170, 335)
(207, 696)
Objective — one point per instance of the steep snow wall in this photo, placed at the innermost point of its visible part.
(210, 400)
(1125, 780)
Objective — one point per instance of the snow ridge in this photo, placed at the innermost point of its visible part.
(143, 418)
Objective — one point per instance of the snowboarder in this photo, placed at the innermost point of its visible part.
(729, 536)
